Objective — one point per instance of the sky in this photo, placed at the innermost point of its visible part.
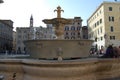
(20, 11)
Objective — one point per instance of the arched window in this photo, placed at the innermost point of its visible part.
(72, 37)
(66, 37)
(72, 28)
(66, 28)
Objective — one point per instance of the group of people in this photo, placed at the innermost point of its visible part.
(112, 52)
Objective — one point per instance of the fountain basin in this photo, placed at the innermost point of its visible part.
(51, 49)
(80, 69)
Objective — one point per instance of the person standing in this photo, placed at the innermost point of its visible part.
(115, 52)
(102, 50)
(109, 52)
(118, 50)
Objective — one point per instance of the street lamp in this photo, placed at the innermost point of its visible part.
(1, 1)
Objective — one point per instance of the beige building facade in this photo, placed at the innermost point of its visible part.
(104, 25)
(73, 30)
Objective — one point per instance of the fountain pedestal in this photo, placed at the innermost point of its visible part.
(48, 49)
(58, 23)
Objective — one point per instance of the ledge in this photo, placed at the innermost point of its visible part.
(81, 69)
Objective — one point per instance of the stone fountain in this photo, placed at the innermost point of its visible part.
(78, 69)
(58, 48)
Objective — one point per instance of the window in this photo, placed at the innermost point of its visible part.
(72, 37)
(100, 21)
(67, 37)
(110, 8)
(78, 33)
(66, 33)
(112, 37)
(101, 38)
(111, 29)
(66, 28)
(101, 29)
(97, 22)
(111, 18)
(96, 39)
